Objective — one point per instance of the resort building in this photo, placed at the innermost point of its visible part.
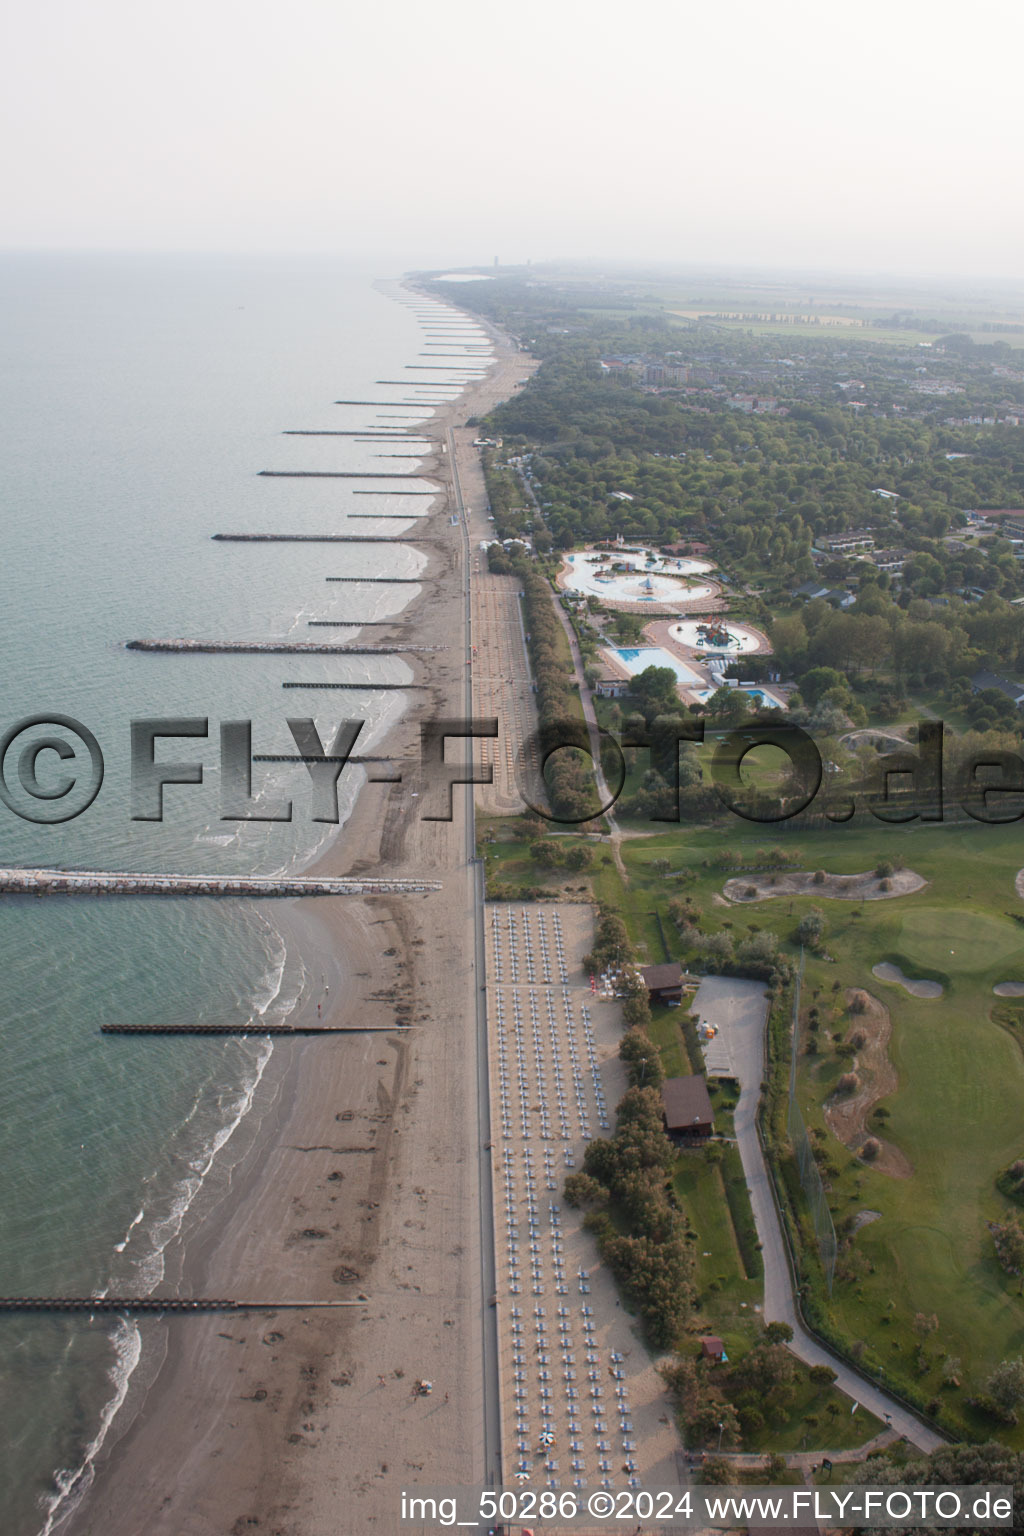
(687, 1108)
(664, 983)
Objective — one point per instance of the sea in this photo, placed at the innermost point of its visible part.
(140, 398)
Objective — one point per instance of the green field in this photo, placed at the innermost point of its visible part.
(959, 942)
(959, 1112)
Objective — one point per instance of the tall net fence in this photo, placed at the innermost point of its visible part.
(810, 1178)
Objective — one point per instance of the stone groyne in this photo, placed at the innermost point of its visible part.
(94, 882)
(275, 647)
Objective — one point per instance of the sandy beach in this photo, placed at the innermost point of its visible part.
(363, 1180)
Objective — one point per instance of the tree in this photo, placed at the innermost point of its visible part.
(656, 686)
(715, 1422)
(1006, 1383)
(683, 1380)
(789, 642)
(636, 1010)
(584, 1189)
(716, 1470)
(1009, 1241)
(819, 681)
(642, 1058)
(728, 706)
(782, 1333)
(811, 928)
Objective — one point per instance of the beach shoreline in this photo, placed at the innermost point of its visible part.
(365, 1158)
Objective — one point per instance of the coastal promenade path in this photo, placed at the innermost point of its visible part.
(490, 1395)
(501, 685)
(498, 661)
(738, 1009)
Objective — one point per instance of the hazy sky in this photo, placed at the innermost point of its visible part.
(883, 135)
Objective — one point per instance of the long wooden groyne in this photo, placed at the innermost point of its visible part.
(341, 474)
(161, 1304)
(379, 581)
(399, 686)
(393, 493)
(104, 882)
(316, 538)
(391, 435)
(274, 647)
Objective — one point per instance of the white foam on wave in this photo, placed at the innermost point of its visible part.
(123, 1244)
(74, 1484)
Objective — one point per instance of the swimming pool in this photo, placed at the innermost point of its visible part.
(765, 700)
(637, 658)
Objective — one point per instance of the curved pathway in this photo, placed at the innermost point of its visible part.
(740, 1010)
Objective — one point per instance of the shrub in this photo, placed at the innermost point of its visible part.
(819, 877)
(779, 1333)
(870, 1150)
(848, 1083)
(811, 928)
(883, 869)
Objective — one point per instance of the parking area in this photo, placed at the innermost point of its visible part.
(731, 1017)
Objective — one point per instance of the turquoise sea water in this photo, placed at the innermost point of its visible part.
(140, 397)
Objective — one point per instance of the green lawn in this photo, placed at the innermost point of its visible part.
(960, 942)
(959, 1112)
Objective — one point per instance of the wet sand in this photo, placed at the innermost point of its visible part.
(363, 1179)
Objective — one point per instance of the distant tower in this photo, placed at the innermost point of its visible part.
(495, 261)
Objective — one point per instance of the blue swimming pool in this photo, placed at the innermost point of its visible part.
(638, 658)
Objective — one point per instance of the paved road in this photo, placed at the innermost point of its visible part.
(739, 1009)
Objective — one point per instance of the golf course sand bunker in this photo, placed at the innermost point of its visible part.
(886, 971)
(1019, 883)
(846, 1114)
(1009, 989)
(866, 887)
